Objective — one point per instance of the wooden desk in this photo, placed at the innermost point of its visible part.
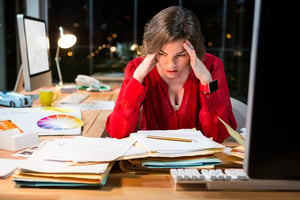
(94, 120)
(131, 187)
(123, 185)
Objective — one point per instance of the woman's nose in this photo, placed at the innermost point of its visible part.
(171, 62)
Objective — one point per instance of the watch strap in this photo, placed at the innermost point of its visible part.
(210, 87)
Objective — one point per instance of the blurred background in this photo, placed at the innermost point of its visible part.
(109, 35)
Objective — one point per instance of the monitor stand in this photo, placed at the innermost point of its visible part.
(19, 86)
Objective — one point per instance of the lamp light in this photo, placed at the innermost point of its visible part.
(65, 41)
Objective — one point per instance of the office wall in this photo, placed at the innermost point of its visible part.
(2, 48)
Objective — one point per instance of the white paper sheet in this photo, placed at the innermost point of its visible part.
(84, 149)
(199, 141)
(8, 166)
(42, 166)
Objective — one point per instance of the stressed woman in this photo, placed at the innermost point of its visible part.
(175, 84)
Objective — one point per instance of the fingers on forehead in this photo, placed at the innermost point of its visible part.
(189, 45)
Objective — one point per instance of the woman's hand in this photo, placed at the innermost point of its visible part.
(145, 67)
(197, 65)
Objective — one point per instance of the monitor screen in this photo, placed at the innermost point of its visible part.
(272, 144)
(37, 46)
(35, 69)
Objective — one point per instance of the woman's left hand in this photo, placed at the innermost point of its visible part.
(197, 65)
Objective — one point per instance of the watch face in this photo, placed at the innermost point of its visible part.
(213, 86)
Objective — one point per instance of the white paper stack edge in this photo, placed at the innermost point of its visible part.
(13, 140)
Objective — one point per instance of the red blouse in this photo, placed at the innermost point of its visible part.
(197, 110)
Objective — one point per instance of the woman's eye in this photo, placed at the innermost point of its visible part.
(181, 55)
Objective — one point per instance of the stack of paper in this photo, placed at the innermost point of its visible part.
(171, 149)
(50, 163)
(175, 142)
(13, 138)
(71, 162)
(40, 173)
(236, 154)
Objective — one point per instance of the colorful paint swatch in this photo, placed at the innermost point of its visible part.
(8, 125)
(60, 122)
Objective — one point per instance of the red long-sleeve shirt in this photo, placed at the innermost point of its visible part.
(197, 110)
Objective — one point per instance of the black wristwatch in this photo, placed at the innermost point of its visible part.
(210, 87)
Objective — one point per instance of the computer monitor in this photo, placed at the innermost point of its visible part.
(34, 49)
(272, 143)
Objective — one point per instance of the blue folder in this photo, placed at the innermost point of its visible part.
(199, 162)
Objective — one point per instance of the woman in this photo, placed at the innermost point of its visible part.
(169, 83)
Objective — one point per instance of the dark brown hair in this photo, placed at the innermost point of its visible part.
(170, 24)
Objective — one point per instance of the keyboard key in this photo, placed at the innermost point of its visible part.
(209, 175)
(237, 174)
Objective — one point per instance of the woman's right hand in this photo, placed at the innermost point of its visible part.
(145, 67)
(197, 65)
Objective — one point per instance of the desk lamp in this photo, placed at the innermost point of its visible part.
(65, 41)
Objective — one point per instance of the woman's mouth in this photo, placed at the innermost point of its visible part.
(172, 71)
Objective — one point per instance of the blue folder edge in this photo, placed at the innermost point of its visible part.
(33, 183)
(182, 163)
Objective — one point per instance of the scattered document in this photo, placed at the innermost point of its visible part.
(238, 151)
(137, 150)
(238, 137)
(164, 146)
(84, 149)
(8, 166)
(26, 153)
(44, 166)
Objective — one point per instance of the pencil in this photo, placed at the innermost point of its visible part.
(169, 138)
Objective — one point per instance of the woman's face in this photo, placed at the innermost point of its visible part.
(173, 59)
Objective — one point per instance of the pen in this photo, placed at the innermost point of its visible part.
(169, 138)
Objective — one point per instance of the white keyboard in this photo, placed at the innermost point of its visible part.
(194, 175)
(224, 179)
(74, 98)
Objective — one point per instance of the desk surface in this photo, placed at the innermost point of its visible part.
(123, 185)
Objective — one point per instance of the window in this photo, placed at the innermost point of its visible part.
(107, 30)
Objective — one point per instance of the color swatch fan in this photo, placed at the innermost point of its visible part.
(60, 122)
